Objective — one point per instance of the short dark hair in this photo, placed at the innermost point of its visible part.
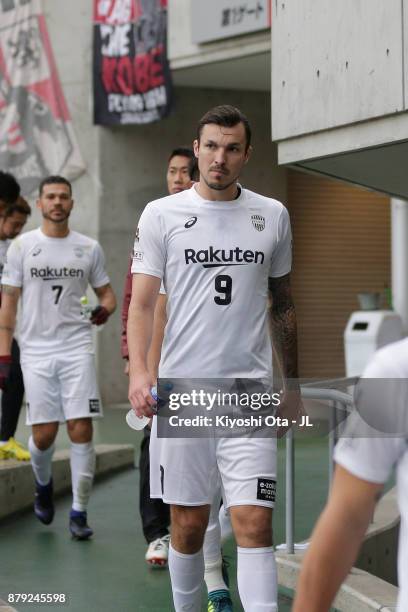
(9, 188)
(226, 116)
(19, 206)
(54, 180)
(189, 153)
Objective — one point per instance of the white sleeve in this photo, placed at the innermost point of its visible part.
(98, 276)
(281, 260)
(375, 436)
(13, 268)
(149, 253)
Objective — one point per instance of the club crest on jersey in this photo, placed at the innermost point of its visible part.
(36, 251)
(258, 221)
(79, 252)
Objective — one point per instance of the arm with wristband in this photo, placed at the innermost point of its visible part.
(9, 300)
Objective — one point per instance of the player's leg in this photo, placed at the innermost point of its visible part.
(41, 446)
(256, 566)
(81, 403)
(183, 472)
(186, 559)
(11, 401)
(154, 513)
(44, 415)
(215, 576)
(248, 471)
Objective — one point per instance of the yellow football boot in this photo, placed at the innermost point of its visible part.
(15, 450)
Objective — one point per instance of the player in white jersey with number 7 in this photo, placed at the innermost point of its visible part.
(50, 268)
(218, 247)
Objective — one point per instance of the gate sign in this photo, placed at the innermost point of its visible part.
(217, 19)
(131, 75)
(36, 133)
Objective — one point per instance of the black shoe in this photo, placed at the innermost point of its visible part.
(43, 502)
(78, 526)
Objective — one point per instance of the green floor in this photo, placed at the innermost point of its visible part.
(109, 573)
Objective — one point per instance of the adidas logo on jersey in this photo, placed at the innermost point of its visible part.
(48, 273)
(212, 257)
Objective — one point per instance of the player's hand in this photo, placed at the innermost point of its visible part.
(5, 366)
(290, 408)
(139, 394)
(99, 315)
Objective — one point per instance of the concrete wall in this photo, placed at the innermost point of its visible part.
(184, 53)
(133, 167)
(70, 29)
(336, 63)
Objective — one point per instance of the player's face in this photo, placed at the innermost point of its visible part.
(12, 225)
(178, 174)
(221, 153)
(55, 202)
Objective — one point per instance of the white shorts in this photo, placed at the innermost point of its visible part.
(60, 388)
(188, 471)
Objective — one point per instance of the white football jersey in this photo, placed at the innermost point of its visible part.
(215, 259)
(372, 457)
(54, 274)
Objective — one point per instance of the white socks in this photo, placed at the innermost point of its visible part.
(225, 524)
(41, 462)
(186, 573)
(212, 553)
(257, 579)
(82, 473)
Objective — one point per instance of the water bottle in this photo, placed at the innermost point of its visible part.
(136, 422)
(86, 308)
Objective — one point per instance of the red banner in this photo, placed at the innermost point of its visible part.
(132, 82)
(36, 134)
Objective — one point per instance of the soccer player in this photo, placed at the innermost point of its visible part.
(375, 441)
(50, 269)
(218, 247)
(181, 173)
(13, 217)
(155, 515)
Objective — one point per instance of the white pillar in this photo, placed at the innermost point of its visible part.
(399, 257)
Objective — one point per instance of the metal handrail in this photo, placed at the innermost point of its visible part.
(340, 400)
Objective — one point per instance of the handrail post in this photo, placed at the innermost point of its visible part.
(290, 491)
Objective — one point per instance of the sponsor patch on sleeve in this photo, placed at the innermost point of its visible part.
(266, 490)
(137, 256)
(94, 406)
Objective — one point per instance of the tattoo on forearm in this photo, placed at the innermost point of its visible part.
(282, 318)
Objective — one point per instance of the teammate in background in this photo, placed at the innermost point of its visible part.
(217, 328)
(182, 171)
(12, 220)
(374, 442)
(50, 268)
(12, 397)
(155, 515)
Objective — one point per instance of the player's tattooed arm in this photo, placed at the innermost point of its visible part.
(9, 300)
(282, 321)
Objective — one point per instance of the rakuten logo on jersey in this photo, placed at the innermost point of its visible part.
(52, 273)
(213, 258)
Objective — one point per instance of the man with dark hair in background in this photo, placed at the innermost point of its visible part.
(12, 221)
(13, 217)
